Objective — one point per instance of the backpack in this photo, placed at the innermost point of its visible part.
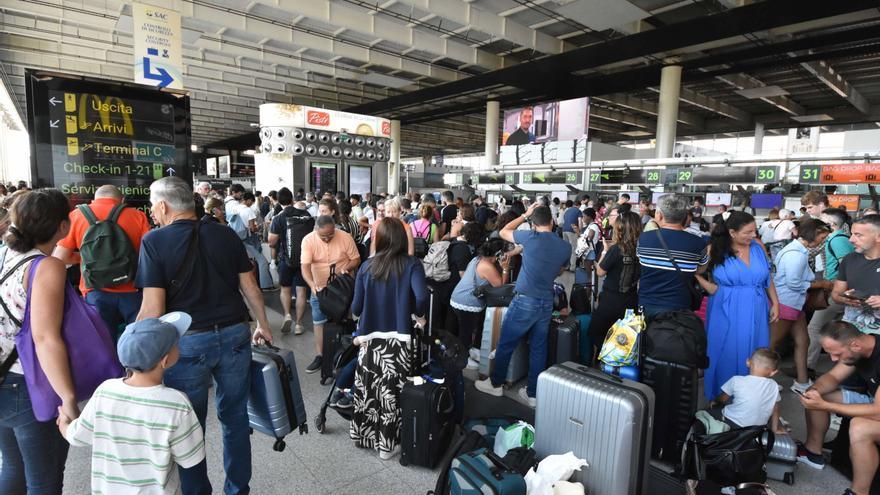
(108, 257)
(238, 225)
(297, 228)
(420, 243)
(677, 337)
(436, 262)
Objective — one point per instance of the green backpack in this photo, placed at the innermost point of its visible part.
(108, 258)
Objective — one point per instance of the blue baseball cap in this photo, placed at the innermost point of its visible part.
(144, 343)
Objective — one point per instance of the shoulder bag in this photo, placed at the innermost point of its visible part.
(695, 293)
(90, 351)
(729, 458)
(335, 299)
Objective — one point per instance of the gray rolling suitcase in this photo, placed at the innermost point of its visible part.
(275, 404)
(519, 361)
(603, 419)
(782, 461)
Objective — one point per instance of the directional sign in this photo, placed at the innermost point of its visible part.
(158, 59)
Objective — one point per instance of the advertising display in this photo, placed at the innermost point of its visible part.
(766, 201)
(553, 121)
(85, 133)
(803, 139)
(360, 179)
(223, 167)
(848, 202)
(718, 199)
(211, 167)
(290, 115)
(158, 54)
(323, 177)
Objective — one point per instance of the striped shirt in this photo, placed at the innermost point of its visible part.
(137, 435)
(660, 287)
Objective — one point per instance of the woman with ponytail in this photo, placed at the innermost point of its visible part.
(742, 299)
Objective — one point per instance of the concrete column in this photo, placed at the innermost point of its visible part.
(667, 111)
(759, 138)
(394, 173)
(493, 115)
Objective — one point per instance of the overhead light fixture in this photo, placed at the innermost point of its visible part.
(193, 148)
(249, 152)
(819, 117)
(761, 92)
(254, 124)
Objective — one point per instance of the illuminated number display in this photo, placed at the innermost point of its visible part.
(766, 174)
(685, 176)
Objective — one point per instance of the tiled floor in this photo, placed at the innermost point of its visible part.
(329, 463)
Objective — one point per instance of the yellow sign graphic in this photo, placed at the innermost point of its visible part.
(69, 102)
(72, 146)
(110, 104)
(70, 124)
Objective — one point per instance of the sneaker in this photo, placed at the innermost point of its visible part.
(524, 397)
(800, 388)
(848, 492)
(835, 422)
(334, 399)
(345, 402)
(315, 366)
(473, 365)
(298, 329)
(804, 456)
(285, 327)
(486, 387)
(389, 455)
(474, 354)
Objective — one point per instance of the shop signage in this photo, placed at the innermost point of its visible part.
(291, 115)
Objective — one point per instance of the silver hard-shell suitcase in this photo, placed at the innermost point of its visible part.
(519, 360)
(603, 419)
(782, 461)
(275, 404)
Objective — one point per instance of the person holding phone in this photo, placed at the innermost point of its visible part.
(854, 353)
(857, 286)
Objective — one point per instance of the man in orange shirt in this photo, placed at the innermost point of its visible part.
(119, 304)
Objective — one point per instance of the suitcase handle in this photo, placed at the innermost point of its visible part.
(268, 346)
(500, 465)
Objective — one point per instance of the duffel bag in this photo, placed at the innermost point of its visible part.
(484, 472)
(677, 337)
(729, 458)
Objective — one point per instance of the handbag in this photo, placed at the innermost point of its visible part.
(90, 351)
(13, 356)
(695, 293)
(335, 299)
(817, 299)
(496, 297)
(730, 458)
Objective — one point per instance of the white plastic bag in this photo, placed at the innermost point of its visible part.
(519, 434)
(552, 469)
(568, 488)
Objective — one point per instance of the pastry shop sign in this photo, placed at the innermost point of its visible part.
(291, 115)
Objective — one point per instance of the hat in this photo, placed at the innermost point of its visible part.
(144, 343)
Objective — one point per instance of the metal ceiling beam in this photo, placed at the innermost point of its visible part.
(539, 75)
(745, 81)
(623, 118)
(648, 107)
(497, 26)
(708, 103)
(838, 84)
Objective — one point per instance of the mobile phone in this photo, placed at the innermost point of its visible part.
(797, 392)
(855, 294)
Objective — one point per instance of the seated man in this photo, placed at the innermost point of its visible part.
(854, 352)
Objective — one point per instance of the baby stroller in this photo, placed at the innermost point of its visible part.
(348, 354)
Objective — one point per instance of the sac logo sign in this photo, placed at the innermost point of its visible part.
(318, 118)
(386, 128)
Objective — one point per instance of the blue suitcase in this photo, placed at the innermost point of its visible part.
(275, 404)
(628, 372)
(482, 472)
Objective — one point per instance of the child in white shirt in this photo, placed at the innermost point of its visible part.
(751, 400)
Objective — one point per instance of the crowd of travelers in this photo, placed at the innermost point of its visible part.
(183, 300)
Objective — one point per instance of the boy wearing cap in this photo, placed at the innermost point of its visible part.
(139, 428)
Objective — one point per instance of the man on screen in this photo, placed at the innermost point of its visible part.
(522, 134)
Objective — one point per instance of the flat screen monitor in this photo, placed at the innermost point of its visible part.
(766, 201)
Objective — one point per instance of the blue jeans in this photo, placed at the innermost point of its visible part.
(117, 309)
(255, 252)
(526, 316)
(345, 379)
(225, 356)
(33, 453)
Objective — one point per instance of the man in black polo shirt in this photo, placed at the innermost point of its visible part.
(855, 353)
(217, 346)
(448, 212)
(289, 273)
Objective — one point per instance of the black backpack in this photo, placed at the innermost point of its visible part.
(108, 257)
(298, 227)
(677, 337)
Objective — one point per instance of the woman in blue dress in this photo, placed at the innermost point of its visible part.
(742, 300)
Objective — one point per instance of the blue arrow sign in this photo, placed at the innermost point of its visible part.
(163, 76)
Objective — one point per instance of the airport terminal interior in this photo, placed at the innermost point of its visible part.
(528, 149)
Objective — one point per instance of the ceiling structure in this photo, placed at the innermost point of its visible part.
(434, 63)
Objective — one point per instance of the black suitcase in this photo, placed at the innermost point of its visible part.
(562, 340)
(426, 422)
(676, 391)
(334, 334)
(580, 301)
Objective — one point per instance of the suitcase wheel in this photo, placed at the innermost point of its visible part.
(279, 445)
(404, 461)
(788, 478)
(251, 431)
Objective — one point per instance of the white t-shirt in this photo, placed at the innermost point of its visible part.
(782, 230)
(753, 400)
(245, 213)
(138, 436)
